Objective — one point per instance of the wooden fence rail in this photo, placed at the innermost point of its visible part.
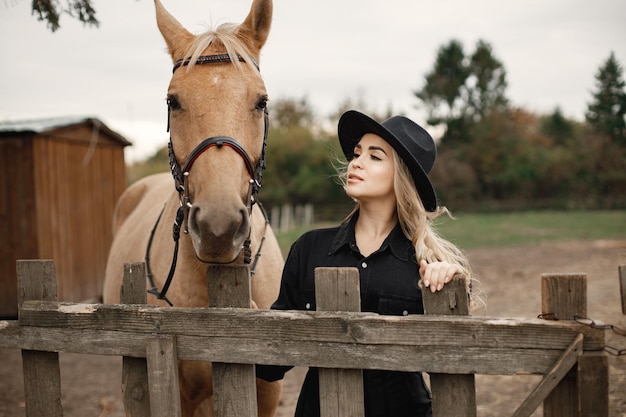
(451, 348)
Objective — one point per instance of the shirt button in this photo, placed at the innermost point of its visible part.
(364, 265)
(307, 306)
(405, 313)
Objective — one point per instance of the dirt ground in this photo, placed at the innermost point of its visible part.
(510, 279)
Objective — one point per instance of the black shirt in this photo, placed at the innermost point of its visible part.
(389, 285)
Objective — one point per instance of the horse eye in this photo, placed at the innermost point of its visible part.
(261, 104)
(172, 103)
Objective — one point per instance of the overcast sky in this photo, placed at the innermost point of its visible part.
(377, 51)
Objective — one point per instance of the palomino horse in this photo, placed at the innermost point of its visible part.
(218, 127)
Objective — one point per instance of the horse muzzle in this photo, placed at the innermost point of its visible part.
(217, 233)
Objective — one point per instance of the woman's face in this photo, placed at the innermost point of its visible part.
(370, 172)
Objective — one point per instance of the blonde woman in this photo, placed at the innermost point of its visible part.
(389, 237)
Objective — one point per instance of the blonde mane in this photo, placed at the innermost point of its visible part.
(226, 36)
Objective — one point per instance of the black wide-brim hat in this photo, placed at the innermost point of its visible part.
(412, 143)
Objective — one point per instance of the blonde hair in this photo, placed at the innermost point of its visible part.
(416, 222)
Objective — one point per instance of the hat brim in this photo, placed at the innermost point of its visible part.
(353, 125)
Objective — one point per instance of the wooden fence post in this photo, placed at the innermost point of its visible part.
(621, 270)
(585, 389)
(234, 385)
(341, 390)
(135, 390)
(163, 376)
(453, 394)
(36, 280)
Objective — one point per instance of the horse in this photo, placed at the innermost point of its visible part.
(218, 122)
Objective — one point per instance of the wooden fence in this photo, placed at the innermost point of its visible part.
(451, 346)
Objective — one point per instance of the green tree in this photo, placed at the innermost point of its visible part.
(558, 127)
(607, 112)
(299, 158)
(50, 11)
(443, 88)
(460, 90)
(487, 82)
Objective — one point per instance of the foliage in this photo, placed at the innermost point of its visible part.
(50, 11)
(461, 90)
(607, 112)
(299, 158)
(157, 163)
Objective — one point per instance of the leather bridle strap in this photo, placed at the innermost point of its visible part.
(211, 59)
(219, 141)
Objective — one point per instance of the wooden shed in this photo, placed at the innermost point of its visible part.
(61, 179)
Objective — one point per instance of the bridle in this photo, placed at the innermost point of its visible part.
(181, 176)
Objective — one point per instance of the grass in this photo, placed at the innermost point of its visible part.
(472, 230)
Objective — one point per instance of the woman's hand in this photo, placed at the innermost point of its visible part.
(437, 274)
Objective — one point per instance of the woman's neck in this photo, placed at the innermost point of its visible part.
(373, 226)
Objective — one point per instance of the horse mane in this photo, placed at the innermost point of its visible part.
(226, 36)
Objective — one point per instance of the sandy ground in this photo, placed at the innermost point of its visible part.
(510, 279)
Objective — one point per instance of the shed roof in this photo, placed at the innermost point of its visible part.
(39, 126)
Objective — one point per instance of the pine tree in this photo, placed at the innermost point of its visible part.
(607, 112)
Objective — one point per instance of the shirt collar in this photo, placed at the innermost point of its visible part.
(397, 242)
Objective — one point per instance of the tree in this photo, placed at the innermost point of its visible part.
(460, 90)
(607, 112)
(444, 83)
(488, 82)
(558, 127)
(50, 11)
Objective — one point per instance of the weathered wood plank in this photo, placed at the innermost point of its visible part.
(234, 383)
(454, 394)
(163, 376)
(341, 390)
(563, 296)
(135, 390)
(450, 358)
(485, 360)
(622, 285)
(551, 379)
(36, 279)
(593, 380)
(360, 328)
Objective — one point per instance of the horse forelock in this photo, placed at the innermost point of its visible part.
(225, 37)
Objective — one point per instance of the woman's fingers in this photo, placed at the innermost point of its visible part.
(436, 274)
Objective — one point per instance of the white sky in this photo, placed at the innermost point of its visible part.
(326, 50)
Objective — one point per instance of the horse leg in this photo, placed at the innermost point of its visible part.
(195, 387)
(268, 395)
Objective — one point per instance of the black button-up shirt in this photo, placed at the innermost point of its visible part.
(389, 285)
(388, 277)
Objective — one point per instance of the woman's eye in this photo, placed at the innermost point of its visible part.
(172, 103)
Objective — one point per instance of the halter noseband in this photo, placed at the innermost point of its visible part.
(181, 178)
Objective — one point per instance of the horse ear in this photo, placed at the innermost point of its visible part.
(256, 28)
(176, 36)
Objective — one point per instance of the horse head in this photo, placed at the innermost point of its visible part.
(218, 128)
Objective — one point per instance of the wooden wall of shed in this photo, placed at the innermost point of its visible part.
(18, 229)
(77, 187)
(58, 195)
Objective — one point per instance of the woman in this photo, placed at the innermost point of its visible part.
(389, 238)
